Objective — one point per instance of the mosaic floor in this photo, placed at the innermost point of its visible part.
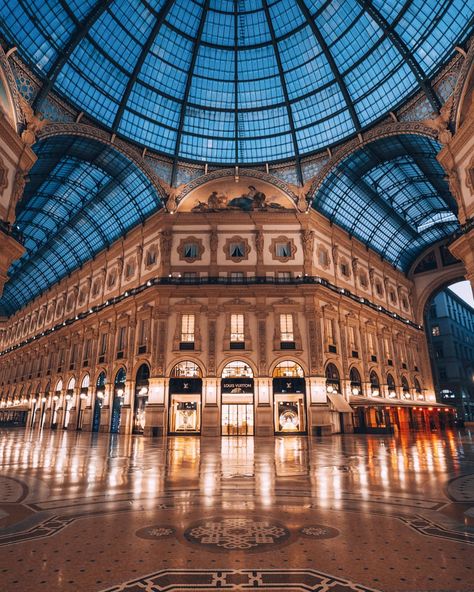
(90, 513)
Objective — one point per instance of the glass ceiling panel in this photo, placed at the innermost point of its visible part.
(131, 65)
(391, 195)
(83, 195)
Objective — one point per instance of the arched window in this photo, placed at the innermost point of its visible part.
(392, 389)
(356, 382)
(101, 380)
(374, 384)
(143, 374)
(405, 388)
(186, 369)
(418, 391)
(237, 369)
(120, 377)
(288, 369)
(332, 379)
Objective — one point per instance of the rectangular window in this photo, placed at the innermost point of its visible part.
(87, 351)
(73, 356)
(143, 331)
(187, 328)
(283, 250)
(236, 277)
(103, 344)
(190, 251)
(286, 327)
(121, 339)
(190, 277)
(237, 250)
(237, 328)
(330, 332)
(284, 276)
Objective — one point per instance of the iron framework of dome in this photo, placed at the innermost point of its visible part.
(236, 81)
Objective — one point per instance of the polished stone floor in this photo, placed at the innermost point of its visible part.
(89, 513)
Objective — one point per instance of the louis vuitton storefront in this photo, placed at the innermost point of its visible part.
(237, 400)
(289, 398)
(185, 390)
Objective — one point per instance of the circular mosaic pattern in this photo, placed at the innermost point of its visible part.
(232, 534)
(319, 531)
(154, 532)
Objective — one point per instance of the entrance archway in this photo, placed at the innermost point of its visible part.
(82, 400)
(117, 402)
(289, 401)
(141, 399)
(99, 401)
(237, 399)
(185, 389)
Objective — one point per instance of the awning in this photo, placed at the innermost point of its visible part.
(380, 402)
(340, 403)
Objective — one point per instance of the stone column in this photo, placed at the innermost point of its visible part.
(155, 411)
(210, 420)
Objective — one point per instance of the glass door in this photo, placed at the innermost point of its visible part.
(237, 420)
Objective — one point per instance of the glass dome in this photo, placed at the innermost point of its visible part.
(236, 81)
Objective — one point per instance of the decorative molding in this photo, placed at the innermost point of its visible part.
(282, 239)
(237, 239)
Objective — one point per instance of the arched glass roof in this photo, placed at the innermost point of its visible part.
(392, 195)
(82, 195)
(236, 81)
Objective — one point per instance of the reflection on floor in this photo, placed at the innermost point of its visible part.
(105, 512)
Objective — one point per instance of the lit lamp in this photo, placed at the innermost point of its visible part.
(68, 397)
(355, 391)
(143, 391)
(329, 388)
(83, 396)
(392, 394)
(55, 398)
(33, 400)
(43, 400)
(375, 392)
(120, 393)
(100, 395)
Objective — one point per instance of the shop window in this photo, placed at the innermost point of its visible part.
(187, 331)
(374, 384)
(237, 336)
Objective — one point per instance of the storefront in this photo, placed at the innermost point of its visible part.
(289, 398)
(117, 402)
(68, 402)
(185, 391)
(141, 398)
(99, 401)
(237, 400)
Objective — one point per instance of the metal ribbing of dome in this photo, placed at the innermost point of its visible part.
(236, 81)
